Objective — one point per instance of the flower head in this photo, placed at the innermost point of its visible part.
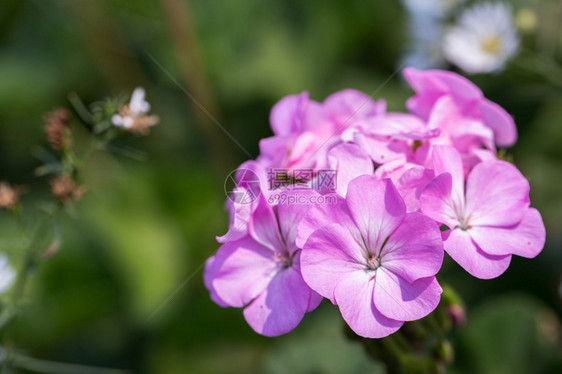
(65, 189)
(261, 271)
(9, 195)
(444, 98)
(371, 258)
(57, 128)
(489, 218)
(483, 40)
(134, 116)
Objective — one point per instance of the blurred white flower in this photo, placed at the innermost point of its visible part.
(7, 273)
(483, 40)
(133, 117)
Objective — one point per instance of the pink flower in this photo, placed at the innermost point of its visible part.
(305, 130)
(261, 271)
(371, 258)
(433, 85)
(489, 218)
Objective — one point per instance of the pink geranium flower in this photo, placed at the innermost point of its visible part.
(305, 130)
(261, 271)
(435, 86)
(489, 218)
(371, 258)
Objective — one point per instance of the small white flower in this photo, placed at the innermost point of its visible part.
(133, 117)
(7, 273)
(138, 104)
(483, 39)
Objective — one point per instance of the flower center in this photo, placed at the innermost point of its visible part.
(374, 262)
(282, 260)
(464, 223)
(491, 44)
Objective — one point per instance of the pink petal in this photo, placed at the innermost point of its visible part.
(291, 211)
(241, 271)
(505, 132)
(280, 308)
(239, 218)
(328, 256)
(411, 184)
(350, 104)
(401, 300)
(523, 239)
(350, 161)
(472, 134)
(467, 254)
(436, 201)
(324, 214)
(432, 84)
(208, 276)
(286, 116)
(496, 194)
(379, 150)
(354, 296)
(448, 160)
(306, 150)
(376, 207)
(264, 227)
(415, 249)
(314, 301)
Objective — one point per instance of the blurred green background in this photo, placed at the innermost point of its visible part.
(146, 227)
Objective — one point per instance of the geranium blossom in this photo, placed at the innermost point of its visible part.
(261, 271)
(489, 218)
(374, 250)
(305, 130)
(463, 97)
(373, 260)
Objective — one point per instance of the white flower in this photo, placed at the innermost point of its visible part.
(7, 273)
(133, 117)
(483, 39)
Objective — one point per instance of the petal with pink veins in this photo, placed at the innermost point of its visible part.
(264, 227)
(436, 201)
(415, 249)
(354, 297)
(376, 208)
(401, 300)
(290, 211)
(448, 160)
(497, 194)
(242, 270)
(474, 260)
(523, 239)
(350, 161)
(330, 254)
(281, 307)
(324, 214)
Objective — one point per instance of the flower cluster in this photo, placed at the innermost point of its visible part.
(481, 39)
(410, 186)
